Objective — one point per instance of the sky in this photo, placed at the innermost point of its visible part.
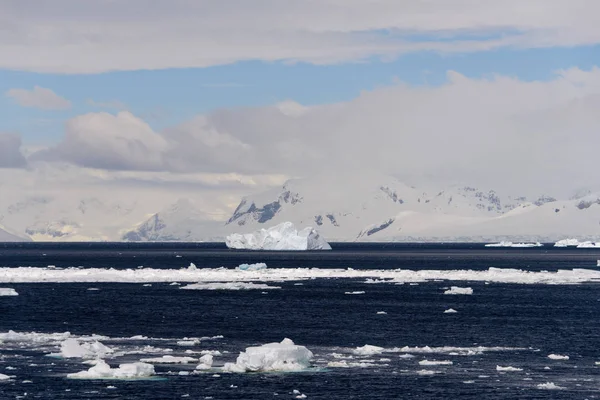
(497, 93)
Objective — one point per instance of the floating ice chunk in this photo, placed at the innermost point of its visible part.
(229, 286)
(459, 351)
(71, 348)
(434, 362)
(427, 372)
(252, 267)
(4, 377)
(280, 237)
(549, 386)
(557, 357)
(357, 292)
(567, 243)
(381, 313)
(511, 244)
(8, 292)
(450, 311)
(169, 360)
(284, 356)
(588, 245)
(368, 350)
(346, 364)
(125, 371)
(507, 369)
(206, 362)
(459, 290)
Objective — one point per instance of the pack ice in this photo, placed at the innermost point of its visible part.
(125, 371)
(284, 236)
(284, 356)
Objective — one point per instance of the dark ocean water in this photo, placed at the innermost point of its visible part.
(537, 319)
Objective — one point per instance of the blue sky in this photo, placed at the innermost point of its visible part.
(166, 97)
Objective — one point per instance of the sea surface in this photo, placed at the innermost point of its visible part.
(506, 325)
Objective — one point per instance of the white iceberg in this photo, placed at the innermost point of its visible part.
(450, 311)
(279, 237)
(8, 292)
(71, 348)
(549, 386)
(434, 362)
(206, 362)
(284, 356)
(588, 245)
(567, 243)
(125, 371)
(4, 377)
(368, 350)
(557, 357)
(459, 290)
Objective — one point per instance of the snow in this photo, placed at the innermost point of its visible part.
(284, 356)
(279, 237)
(499, 275)
(557, 357)
(125, 371)
(459, 290)
(368, 350)
(71, 348)
(229, 286)
(8, 292)
(549, 386)
(433, 362)
(516, 245)
(507, 369)
(450, 311)
(169, 360)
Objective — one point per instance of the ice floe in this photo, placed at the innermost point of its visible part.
(549, 386)
(4, 377)
(206, 362)
(125, 371)
(450, 311)
(284, 236)
(229, 286)
(252, 267)
(451, 350)
(498, 275)
(516, 245)
(169, 360)
(72, 348)
(588, 245)
(434, 362)
(284, 356)
(8, 292)
(507, 369)
(557, 357)
(459, 290)
(567, 243)
(357, 292)
(368, 350)
(426, 372)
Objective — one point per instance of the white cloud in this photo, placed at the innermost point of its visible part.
(111, 105)
(10, 151)
(71, 36)
(499, 131)
(39, 97)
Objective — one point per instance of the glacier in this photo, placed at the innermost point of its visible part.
(284, 236)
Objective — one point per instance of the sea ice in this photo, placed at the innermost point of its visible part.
(507, 369)
(4, 377)
(169, 360)
(8, 292)
(426, 372)
(557, 357)
(567, 243)
(433, 362)
(71, 348)
(125, 371)
(252, 267)
(459, 290)
(511, 244)
(549, 386)
(284, 356)
(229, 286)
(206, 362)
(450, 311)
(346, 364)
(368, 350)
(357, 292)
(279, 237)
(588, 245)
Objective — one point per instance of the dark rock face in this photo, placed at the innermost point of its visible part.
(265, 213)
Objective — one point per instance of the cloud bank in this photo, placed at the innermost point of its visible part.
(71, 36)
(10, 151)
(494, 131)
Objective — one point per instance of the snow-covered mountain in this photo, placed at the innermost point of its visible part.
(6, 236)
(385, 209)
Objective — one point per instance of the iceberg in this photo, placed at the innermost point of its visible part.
(169, 360)
(125, 371)
(567, 243)
(8, 292)
(549, 386)
(459, 290)
(279, 237)
(284, 356)
(588, 245)
(368, 350)
(206, 362)
(557, 357)
(508, 369)
(71, 348)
